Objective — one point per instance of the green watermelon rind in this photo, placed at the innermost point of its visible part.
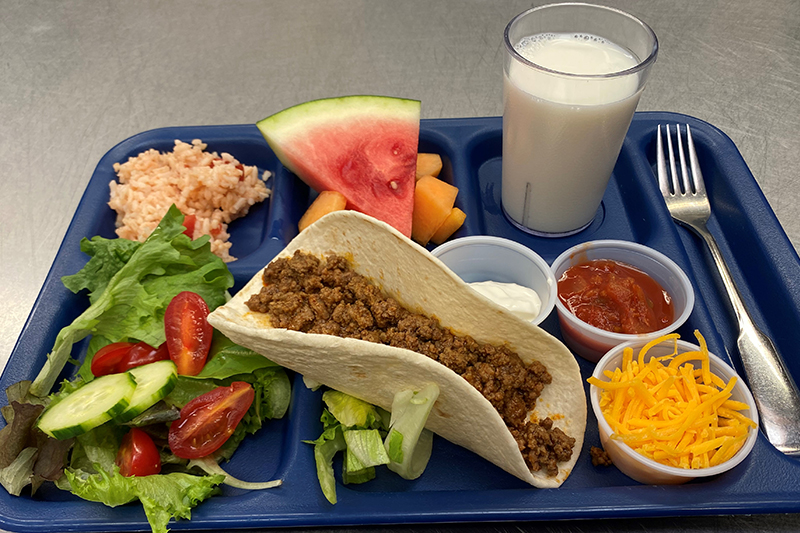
(280, 128)
(298, 118)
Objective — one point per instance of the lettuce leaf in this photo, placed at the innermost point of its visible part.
(366, 446)
(129, 303)
(210, 466)
(17, 475)
(273, 392)
(409, 444)
(94, 476)
(163, 496)
(97, 449)
(108, 256)
(344, 418)
(329, 443)
(27, 456)
(350, 411)
(14, 437)
(226, 359)
(229, 362)
(371, 437)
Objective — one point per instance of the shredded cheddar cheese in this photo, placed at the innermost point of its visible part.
(671, 412)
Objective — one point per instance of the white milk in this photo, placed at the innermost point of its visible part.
(562, 134)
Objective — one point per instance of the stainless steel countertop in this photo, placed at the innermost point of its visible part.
(77, 77)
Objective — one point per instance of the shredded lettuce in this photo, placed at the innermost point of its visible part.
(354, 471)
(311, 383)
(408, 442)
(349, 411)
(329, 443)
(129, 293)
(366, 446)
(364, 452)
(359, 429)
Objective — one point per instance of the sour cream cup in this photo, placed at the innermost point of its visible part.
(488, 258)
(591, 342)
(645, 470)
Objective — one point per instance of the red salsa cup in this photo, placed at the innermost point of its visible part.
(592, 342)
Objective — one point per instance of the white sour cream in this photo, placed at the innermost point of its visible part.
(521, 301)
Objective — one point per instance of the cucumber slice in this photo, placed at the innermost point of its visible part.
(94, 404)
(153, 382)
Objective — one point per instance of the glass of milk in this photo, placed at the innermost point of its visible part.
(573, 74)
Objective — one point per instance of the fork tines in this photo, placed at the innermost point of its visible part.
(668, 182)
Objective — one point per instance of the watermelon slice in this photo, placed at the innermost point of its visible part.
(364, 147)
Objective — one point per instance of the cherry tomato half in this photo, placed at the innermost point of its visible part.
(138, 455)
(209, 420)
(188, 332)
(107, 359)
(142, 353)
(189, 222)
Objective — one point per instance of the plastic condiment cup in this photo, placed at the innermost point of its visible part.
(591, 342)
(487, 258)
(645, 470)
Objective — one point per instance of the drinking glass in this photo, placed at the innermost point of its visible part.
(573, 75)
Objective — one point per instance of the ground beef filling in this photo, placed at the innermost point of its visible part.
(599, 457)
(303, 293)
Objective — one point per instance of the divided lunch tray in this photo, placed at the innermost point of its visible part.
(458, 486)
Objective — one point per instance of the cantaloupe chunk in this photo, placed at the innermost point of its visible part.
(453, 221)
(433, 201)
(326, 202)
(428, 165)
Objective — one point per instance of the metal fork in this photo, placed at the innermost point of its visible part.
(773, 388)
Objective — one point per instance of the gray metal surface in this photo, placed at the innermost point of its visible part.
(77, 77)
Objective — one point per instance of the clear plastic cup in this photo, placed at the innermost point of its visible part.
(572, 77)
(645, 470)
(591, 342)
(483, 257)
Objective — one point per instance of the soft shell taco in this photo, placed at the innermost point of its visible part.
(375, 372)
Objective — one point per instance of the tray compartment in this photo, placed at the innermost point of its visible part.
(759, 255)
(246, 236)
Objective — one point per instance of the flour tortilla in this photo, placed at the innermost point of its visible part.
(375, 372)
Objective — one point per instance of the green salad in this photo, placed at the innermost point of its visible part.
(155, 406)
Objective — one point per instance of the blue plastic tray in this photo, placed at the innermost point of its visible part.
(458, 486)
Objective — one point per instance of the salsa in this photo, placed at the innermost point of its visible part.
(615, 297)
